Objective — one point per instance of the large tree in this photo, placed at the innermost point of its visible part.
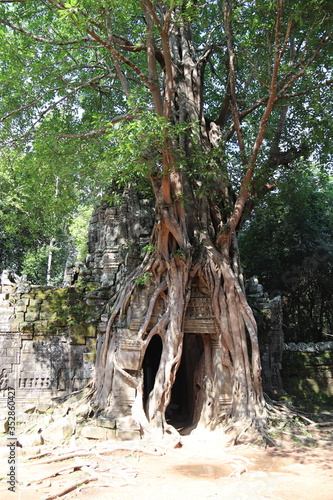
(207, 102)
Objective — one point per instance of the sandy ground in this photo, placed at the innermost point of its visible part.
(203, 468)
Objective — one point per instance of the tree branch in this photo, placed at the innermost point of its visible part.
(122, 78)
(231, 83)
(168, 65)
(149, 6)
(39, 38)
(304, 67)
(306, 91)
(119, 56)
(244, 191)
(151, 50)
(78, 87)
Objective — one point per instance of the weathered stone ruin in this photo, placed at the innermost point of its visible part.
(268, 314)
(47, 342)
(48, 336)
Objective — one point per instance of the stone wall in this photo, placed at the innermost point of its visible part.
(48, 335)
(308, 371)
(47, 338)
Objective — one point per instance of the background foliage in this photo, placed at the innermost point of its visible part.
(288, 245)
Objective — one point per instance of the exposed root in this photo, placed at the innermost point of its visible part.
(284, 420)
(159, 289)
(106, 471)
(104, 448)
(68, 469)
(229, 368)
(279, 424)
(69, 488)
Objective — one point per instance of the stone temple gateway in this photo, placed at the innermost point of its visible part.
(48, 336)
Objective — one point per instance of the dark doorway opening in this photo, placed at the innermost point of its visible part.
(182, 404)
(150, 365)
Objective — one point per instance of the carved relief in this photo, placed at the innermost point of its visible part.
(129, 354)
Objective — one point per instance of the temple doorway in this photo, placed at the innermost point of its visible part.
(150, 365)
(180, 411)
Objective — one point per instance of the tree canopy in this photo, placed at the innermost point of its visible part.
(81, 97)
(77, 68)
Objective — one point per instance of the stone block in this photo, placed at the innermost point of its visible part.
(102, 327)
(35, 302)
(31, 315)
(11, 353)
(89, 357)
(8, 289)
(5, 322)
(91, 344)
(78, 340)
(26, 327)
(41, 338)
(127, 429)
(14, 327)
(106, 422)
(90, 330)
(3, 359)
(22, 302)
(20, 309)
(6, 311)
(95, 432)
(29, 440)
(46, 315)
(83, 410)
(128, 435)
(40, 326)
(59, 430)
(129, 354)
(43, 406)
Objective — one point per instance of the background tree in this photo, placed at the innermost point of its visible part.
(205, 102)
(39, 214)
(288, 245)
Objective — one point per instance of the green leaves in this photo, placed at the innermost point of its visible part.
(288, 245)
(77, 97)
(137, 145)
(78, 229)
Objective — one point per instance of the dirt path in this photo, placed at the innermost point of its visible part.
(203, 468)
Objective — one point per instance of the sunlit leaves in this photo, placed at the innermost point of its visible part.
(136, 146)
(74, 70)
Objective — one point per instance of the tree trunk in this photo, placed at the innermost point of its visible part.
(196, 248)
(49, 261)
(226, 383)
